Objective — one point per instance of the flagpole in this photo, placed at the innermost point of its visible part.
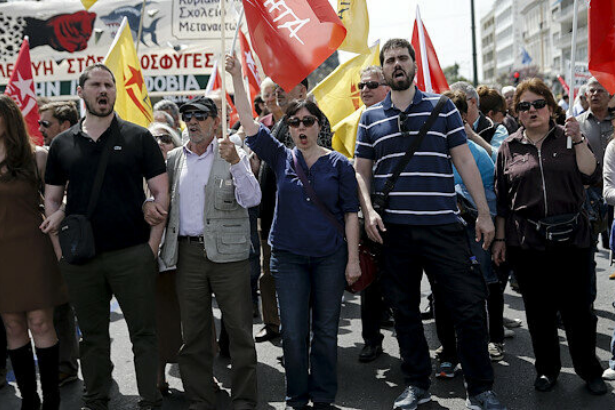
(572, 80)
(239, 21)
(424, 57)
(140, 31)
(222, 71)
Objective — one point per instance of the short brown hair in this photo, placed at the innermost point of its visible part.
(490, 100)
(397, 43)
(62, 111)
(85, 75)
(536, 86)
(459, 98)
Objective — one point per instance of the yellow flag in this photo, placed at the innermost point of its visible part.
(345, 133)
(88, 3)
(132, 103)
(338, 94)
(353, 14)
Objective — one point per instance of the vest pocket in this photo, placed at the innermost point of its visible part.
(225, 199)
(231, 238)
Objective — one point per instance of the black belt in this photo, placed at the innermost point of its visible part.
(190, 239)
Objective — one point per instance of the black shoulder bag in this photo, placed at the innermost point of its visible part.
(76, 234)
(379, 201)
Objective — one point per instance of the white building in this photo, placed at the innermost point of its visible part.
(487, 39)
(543, 28)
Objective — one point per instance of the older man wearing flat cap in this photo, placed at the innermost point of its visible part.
(208, 238)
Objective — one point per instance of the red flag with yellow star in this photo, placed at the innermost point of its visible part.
(21, 89)
(132, 103)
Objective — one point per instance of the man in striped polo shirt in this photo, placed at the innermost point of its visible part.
(420, 228)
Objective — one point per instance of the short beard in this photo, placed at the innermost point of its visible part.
(400, 85)
(95, 113)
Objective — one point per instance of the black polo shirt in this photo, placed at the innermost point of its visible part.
(118, 218)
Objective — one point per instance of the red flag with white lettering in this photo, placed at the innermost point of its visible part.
(249, 69)
(214, 84)
(293, 37)
(601, 22)
(429, 75)
(21, 89)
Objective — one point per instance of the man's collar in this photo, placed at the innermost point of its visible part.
(77, 129)
(387, 103)
(209, 150)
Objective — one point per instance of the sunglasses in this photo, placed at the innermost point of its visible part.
(44, 123)
(401, 122)
(525, 106)
(307, 122)
(372, 85)
(164, 138)
(199, 115)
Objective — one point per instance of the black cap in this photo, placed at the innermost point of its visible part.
(201, 104)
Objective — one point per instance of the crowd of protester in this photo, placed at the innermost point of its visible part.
(501, 186)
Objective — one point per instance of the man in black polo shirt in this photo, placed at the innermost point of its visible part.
(126, 248)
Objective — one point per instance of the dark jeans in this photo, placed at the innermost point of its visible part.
(443, 252)
(130, 275)
(255, 253)
(553, 280)
(372, 309)
(309, 289)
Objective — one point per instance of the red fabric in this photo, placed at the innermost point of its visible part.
(249, 69)
(293, 37)
(438, 80)
(215, 84)
(563, 83)
(601, 21)
(21, 89)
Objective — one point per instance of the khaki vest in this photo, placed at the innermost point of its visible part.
(226, 224)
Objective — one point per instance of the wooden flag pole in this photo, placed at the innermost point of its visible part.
(572, 80)
(140, 31)
(222, 70)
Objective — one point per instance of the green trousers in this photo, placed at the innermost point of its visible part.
(130, 275)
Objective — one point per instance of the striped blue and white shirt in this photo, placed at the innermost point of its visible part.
(425, 191)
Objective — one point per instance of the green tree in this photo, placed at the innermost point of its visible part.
(452, 74)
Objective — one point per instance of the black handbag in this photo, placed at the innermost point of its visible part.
(76, 235)
(379, 201)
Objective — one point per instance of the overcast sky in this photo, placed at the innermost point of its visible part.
(448, 23)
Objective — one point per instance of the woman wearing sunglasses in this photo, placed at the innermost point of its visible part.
(544, 234)
(310, 259)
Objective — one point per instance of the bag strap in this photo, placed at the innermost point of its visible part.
(312, 195)
(401, 165)
(102, 167)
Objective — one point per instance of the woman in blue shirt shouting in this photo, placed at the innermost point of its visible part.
(310, 260)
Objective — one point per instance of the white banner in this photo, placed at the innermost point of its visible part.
(179, 37)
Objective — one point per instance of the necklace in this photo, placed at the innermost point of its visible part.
(537, 142)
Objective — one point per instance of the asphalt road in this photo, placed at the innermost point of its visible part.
(376, 385)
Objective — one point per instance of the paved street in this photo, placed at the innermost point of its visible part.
(376, 385)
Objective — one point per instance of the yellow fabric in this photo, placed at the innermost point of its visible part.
(88, 3)
(338, 94)
(353, 14)
(345, 133)
(133, 103)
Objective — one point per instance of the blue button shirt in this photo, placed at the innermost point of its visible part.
(298, 225)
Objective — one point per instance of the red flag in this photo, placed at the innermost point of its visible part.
(293, 37)
(563, 83)
(429, 75)
(214, 84)
(601, 21)
(21, 89)
(249, 69)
